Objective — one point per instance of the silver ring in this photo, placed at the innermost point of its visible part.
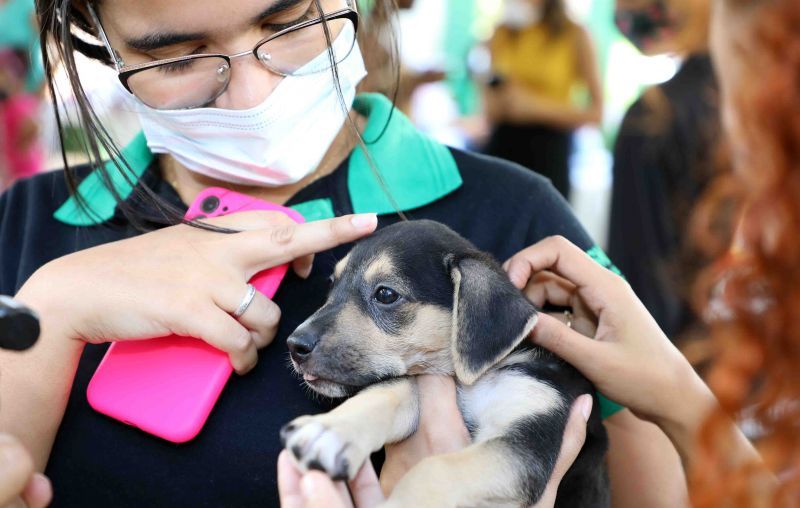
(568, 317)
(246, 301)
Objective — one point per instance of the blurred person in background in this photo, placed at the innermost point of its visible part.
(382, 77)
(540, 59)
(663, 159)
(21, 154)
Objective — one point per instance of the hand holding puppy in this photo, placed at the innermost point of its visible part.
(630, 359)
(316, 490)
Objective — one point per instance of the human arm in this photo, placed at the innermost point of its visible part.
(149, 286)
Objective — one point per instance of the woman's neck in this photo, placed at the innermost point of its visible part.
(188, 184)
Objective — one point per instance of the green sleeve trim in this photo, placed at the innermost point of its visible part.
(97, 197)
(607, 406)
(415, 169)
(316, 209)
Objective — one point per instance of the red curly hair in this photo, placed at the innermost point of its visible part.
(751, 296)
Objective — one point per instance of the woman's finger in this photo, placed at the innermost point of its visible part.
(566, 343)
(319, 491)
(16, 468)
(38, 493)
(302, 266)
(547, 287)
(366, 488)
(218, 328)
(289, 483)
(574, 436)
(250, 220)
(261, 317)
(264, 248)
(571, 444)
(558, 255)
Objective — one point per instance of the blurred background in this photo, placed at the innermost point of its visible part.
(614, 101)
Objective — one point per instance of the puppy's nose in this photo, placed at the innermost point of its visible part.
(301, 345)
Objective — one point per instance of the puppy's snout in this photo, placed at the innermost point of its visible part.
(301, 345)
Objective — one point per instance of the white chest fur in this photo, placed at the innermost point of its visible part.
(501, 397)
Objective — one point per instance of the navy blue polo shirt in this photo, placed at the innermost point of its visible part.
(97, 461)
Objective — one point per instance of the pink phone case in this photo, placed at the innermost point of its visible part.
(168, 386)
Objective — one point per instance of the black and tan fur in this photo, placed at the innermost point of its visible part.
(455, 313)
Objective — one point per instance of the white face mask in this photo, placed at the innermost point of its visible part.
(521, 13)
(278, 142)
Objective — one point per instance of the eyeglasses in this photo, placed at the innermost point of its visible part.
(195, 81)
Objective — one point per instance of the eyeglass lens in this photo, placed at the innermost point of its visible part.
(197, 81)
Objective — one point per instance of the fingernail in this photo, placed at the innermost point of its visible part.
(585, 403)
(364, 220)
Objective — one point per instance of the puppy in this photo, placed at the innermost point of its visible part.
(417, 298)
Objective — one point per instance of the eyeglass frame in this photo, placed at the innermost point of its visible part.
(124, 72)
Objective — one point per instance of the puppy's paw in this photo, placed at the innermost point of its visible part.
(324, 444)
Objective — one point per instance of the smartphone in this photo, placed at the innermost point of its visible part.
(168, 386)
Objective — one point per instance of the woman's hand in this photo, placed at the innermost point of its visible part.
(441, 430)
(630, 359)
(19, 484)
(316, 490)
(183, 280)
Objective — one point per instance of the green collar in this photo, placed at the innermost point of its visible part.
(415, 170)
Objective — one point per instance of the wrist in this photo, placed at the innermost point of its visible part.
(55, 319)
(693, 404)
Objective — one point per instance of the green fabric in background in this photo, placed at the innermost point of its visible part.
(458, 40)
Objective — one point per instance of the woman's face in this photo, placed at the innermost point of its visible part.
(146, 30)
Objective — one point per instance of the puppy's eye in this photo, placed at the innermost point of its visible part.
(331, 279)
(386, 295)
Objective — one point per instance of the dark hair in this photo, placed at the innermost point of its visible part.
(554, 16)
(66, 29)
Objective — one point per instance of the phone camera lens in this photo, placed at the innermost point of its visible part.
(210, 204)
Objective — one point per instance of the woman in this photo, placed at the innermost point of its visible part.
(540, 58)
(269, 122)
(664, 157)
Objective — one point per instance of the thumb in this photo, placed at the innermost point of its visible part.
(574, 435)
(576, 349)
(571, 445)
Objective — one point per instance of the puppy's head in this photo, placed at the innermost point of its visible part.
(413, 298)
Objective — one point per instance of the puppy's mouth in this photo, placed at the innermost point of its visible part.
(325, 385)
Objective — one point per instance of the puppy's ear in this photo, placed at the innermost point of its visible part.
(490, 316)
